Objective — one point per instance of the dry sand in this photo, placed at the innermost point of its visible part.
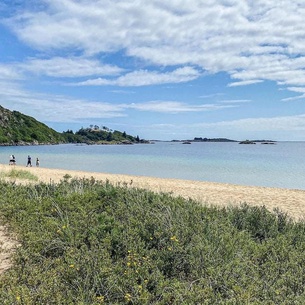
(290, 201)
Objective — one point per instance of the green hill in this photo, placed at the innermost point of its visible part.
(19, 129)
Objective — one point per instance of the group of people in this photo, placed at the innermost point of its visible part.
(29, 162)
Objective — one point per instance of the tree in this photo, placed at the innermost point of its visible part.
(109, 137)
(69, 131)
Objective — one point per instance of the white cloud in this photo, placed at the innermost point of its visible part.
(285, 123)
(294, 98)
(9, 73)
(69, 67)
(122, 91)
(244, 83)
(235, 101)
(251, 40)
(176, 107)
(299, 97)
(213, 95)
(297, 89)
(59, 108)
(55, 108)
(144, 78)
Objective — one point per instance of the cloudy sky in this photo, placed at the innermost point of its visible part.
(166, 70)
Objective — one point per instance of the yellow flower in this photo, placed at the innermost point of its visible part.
(174, 238)
(71, 266)
(100, 299)
(18, 298)
(128, 297)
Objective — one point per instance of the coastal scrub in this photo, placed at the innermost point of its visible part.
(84, 241)
(20, 174)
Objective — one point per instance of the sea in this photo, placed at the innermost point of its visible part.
(273, 165)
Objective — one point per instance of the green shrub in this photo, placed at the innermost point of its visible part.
(89, 242)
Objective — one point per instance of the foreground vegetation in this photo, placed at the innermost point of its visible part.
(88, 242)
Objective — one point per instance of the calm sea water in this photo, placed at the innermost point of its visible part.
(279, 165)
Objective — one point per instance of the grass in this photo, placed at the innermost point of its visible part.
(20, 174)
(89, 242)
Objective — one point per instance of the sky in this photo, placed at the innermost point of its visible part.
(163, 70)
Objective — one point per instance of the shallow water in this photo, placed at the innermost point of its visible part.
(279, 165)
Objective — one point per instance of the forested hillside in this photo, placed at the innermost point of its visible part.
(100, 135)
(19, 129)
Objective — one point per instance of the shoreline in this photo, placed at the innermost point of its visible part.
(290, 201)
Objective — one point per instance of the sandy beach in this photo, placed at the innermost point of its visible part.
(290, 201)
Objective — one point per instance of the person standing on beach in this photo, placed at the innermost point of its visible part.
(12, 160)
(37, 162)
(29, 161)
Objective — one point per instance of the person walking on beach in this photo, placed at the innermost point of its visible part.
(29, 161)
(37, 162)
(12, 160)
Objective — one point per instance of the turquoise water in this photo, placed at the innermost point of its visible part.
(279, 165)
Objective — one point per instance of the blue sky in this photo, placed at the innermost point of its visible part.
(158, 69)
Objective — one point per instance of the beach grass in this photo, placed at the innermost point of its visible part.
(19, 174)
(84, 241)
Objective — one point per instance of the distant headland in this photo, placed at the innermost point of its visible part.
(18, 129)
